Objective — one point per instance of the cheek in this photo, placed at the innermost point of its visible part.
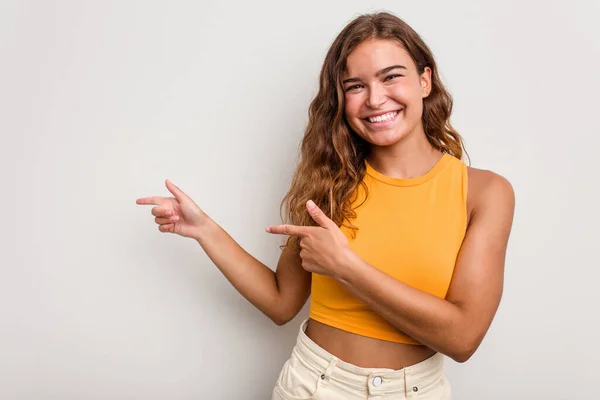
(352, 109)
(409, 96)
(400, 93)
(352, 106)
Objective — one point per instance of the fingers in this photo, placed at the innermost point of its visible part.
(160, 211)
(178, 193)
(318, 215)
(290, 230)
(168, 220)
(157, 200)
(166, 216)
(170, 228)
(151, 200)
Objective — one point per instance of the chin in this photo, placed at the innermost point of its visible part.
(386, 143)
(383, 139)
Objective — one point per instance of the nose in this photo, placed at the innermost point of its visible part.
(377, 96)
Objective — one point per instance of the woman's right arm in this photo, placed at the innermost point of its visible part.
(279, 295)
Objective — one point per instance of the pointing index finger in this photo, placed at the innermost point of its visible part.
(290, 230)
(155, 200)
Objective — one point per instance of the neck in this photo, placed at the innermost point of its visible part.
(410, 157)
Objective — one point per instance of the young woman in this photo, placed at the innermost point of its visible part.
(400, 245)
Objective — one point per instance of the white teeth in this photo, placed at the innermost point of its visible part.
(384, 117)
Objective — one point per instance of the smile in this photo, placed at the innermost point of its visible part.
(384, 119)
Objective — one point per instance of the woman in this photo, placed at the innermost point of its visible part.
(400, 245)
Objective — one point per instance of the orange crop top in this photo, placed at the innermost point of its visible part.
(411, 229)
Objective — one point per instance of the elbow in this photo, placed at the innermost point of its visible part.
(462, 357)
(281, 320)
(464, 351)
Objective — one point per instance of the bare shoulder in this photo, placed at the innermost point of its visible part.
(488, 190)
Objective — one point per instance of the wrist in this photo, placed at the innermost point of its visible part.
(203, 230)
(349, 261)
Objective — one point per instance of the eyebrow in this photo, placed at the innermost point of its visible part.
(383, 71)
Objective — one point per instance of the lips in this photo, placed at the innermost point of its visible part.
(383, 117)
(382, 120)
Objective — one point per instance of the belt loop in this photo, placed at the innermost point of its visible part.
(408, 384)
(327, 374)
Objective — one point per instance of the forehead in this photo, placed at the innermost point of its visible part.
(373, 55)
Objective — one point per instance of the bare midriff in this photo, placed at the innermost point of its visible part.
(364, 351)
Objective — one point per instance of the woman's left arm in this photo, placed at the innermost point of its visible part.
(456, 325)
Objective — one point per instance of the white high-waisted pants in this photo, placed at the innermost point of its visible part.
(313, 373)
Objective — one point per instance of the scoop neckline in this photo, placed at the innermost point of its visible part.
(439, 165)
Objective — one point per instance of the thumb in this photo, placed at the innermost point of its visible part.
(318, 215)
(178, 193)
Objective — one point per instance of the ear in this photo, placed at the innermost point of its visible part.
(426, 82)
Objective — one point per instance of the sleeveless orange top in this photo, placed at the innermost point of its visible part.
(412, 230)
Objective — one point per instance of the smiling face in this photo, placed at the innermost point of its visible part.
(384, 92)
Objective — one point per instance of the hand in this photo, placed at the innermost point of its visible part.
(324, 248)
(177, 214)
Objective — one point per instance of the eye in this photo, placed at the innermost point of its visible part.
(353, 87)
(390, 77)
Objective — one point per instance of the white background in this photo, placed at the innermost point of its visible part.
(101, 101)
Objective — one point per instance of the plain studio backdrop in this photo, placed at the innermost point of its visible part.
(100, 102)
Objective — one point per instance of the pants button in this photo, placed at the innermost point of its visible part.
(377, 381)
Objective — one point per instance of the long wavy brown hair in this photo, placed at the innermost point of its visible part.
(331, 166)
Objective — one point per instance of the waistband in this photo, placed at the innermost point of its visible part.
(374, 380)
